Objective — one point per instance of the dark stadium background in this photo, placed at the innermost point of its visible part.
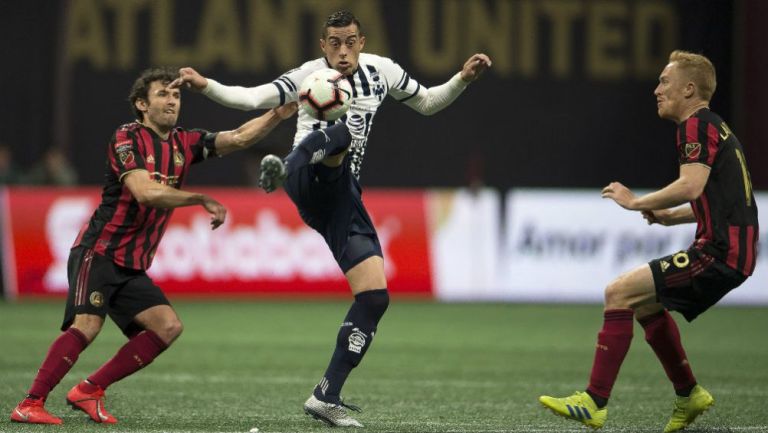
(568, 103)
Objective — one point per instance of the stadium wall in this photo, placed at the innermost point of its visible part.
(528, 245)
(571, 87)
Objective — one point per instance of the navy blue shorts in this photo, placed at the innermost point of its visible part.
(98, 286)
(329, 199)
(692, 281)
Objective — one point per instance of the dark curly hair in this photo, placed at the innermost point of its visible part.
(341, 18)
(140, 89)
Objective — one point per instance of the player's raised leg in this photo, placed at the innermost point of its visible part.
(318, 146)
(630, 290)
(355, 336)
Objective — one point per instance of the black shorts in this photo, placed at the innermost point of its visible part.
(98, 286)
(691, 281)
(329, 199)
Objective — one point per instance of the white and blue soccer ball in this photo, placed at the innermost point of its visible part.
(325, 94)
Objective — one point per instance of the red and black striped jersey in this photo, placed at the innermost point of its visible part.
(726, 212)
(121, 228)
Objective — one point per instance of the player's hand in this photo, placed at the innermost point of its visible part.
(619, 193)
(656, 217)
(287, 111)
(216, 209)
(189, 79)
(474, 67)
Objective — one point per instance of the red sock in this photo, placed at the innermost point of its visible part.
(662, 334)
(136, 354)
(61, 356)
(612, 346)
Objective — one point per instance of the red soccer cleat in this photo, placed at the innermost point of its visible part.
(90, 403)
(33, 412)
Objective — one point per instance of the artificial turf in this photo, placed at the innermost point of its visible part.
(432, 368)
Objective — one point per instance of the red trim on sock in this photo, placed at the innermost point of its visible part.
(613, 343)
(663, 336)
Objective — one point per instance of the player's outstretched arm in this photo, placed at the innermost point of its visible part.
(670, 217)
(241, 98)
(153, 194)
(687, 187)
(430, 101)
(253, 130)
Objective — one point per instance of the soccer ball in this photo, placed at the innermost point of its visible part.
(325, 94)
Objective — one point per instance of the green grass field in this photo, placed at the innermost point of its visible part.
(433, 368)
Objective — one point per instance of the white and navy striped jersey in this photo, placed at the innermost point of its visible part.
(374, 78)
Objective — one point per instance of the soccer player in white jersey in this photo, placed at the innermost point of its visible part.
(320, 175)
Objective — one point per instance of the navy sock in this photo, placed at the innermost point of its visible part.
(318, 145)
(353, 340)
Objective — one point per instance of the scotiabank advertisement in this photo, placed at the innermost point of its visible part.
(263, 248)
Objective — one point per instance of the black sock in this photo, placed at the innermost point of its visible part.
(601, 402)
(318, 145)
(353, 340)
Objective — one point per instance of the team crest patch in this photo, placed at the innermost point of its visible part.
(178, 159)
(692, 150)
(97, 299)
(356, 340)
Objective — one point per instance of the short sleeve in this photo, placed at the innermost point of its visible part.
(201, 144)
(698, 141)
(125, 154)
(288, 84)
(401, 85)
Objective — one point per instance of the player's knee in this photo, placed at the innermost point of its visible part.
(89, 325)
(340, 133)
(170, 330)
(375, 302)
(615, 295)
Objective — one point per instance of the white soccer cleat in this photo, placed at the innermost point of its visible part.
(335, 415)
(272, 173)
